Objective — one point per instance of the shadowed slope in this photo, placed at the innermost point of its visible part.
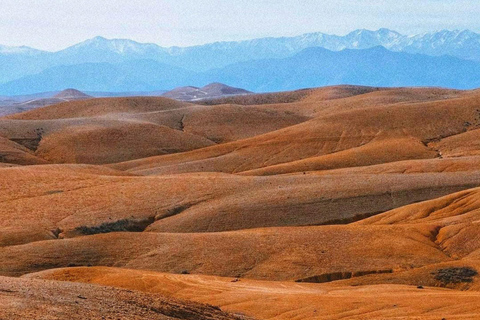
(222, 123)
(456, 217)
(13, 153)
(463, 164)
(461, 207)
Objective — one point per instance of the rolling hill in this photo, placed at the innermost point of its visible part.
(210, 91)
(341, 202)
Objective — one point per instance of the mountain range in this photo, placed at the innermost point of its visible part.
(101, 64)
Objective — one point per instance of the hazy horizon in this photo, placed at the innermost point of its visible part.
(239, 40)
(55, 25)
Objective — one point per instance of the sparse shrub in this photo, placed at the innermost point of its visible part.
(455, 275)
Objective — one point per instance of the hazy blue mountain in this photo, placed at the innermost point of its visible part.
(462, 44)
(23, 50)
(138, 75)
(18, 62)
(376, 66)
(312, 67)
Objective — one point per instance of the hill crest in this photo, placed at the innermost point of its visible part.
(71, 94)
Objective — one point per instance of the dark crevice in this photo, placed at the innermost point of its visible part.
(31, 143)
(434, 238)
(7, 291)
(174, 211)
(335, 276)
(349, 220)
(56, 233)
(124, 225)
(466, 127)
(182, 124)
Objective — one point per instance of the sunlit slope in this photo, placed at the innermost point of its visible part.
(288, 300)
(99, 131)
(44, 202)
(370, 130)
(271, 254)
(37, 299)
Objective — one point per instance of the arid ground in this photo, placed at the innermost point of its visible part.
(341, 202)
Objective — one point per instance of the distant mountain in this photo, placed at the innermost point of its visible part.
(71, 94)
(213, 90)
(6, 50)
(17, 62)
(138, 75)
(100, 49)
(462, 44)
(315, 67)
(312, 67)
(40, 100)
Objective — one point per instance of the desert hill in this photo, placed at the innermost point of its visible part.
(121, 129)
(204, 202)
(28, 299)
(267, 299)
(210, 91)
(14, 106)
(389, 122)
(339, 202)
(71, 94)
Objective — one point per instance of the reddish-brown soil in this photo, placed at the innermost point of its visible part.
(332, 203)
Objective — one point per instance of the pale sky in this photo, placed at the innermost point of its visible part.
(56, 24)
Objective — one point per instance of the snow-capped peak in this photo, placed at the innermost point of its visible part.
(119, 46)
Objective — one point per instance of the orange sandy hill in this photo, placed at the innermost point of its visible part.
(331, 203)
(120, 129)
(37, 299)
(429, 244)
(381, 130)
(288, 300)
(45, 202)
